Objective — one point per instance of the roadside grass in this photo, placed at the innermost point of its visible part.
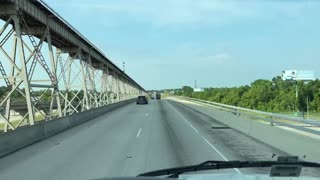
(257, 116)
(249, 115)
(313, 115)
(38, 118)
(14, 123)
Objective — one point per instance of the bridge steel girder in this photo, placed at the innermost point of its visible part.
(22, 66)
(51, 68)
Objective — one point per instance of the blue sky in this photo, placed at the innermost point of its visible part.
(171, 43)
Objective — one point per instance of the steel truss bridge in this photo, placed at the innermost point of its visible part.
(41, 52)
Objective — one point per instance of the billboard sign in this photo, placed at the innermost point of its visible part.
(295, 75)
(198, 90)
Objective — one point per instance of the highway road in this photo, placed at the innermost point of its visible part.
(132, 140)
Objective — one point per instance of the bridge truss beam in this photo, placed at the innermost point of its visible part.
(51, 81)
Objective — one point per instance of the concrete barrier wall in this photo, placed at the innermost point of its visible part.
(287, 141)
(24, 136)
(55, 126)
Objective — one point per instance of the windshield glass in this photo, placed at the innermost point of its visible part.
(94, 89)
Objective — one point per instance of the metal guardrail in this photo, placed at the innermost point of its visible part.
(272, 118)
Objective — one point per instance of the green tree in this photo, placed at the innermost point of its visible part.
(187, 91)
(274, 96)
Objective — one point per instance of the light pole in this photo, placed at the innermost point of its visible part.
(297, 100)
(308, 107)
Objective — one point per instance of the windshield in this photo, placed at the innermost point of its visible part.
(95, 89)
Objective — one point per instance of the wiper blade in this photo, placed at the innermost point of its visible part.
(209, 165)
(178, 170)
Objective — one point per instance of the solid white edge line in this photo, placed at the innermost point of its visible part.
(223, 157)
(191, 126)
(184, 118)
(139, 132)
(214, 148)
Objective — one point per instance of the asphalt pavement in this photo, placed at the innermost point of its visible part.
(132, 140)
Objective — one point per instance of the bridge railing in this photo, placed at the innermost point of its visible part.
(274, 119)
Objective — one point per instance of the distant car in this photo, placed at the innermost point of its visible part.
(142, 100)
(158, 96)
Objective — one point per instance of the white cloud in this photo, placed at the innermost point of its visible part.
(220, 58)
(184, 12)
